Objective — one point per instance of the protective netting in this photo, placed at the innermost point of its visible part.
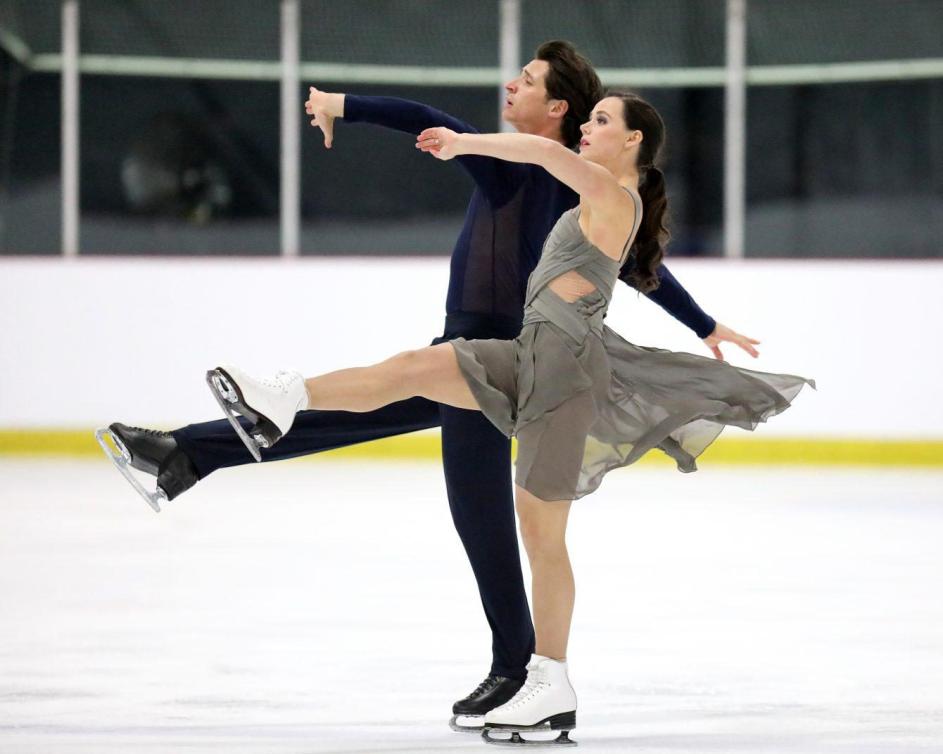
(380, 32)
(212, 29)
(644, 33)
(400, 32)
(615, 34)
(836, 31)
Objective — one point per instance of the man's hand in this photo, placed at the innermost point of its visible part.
(723, 334)
(440, 141)
(324, 107)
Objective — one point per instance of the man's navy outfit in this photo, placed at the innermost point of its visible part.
(511, 211)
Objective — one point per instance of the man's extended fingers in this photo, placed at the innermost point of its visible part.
(745, 345)
(327, 128)
(717, 353)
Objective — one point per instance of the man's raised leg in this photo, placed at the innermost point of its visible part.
(213, 445)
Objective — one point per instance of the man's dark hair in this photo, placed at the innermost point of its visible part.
(572, 78)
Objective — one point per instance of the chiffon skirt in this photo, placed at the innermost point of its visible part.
(580, 409)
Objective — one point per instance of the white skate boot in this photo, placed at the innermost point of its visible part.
(269, 405)
(546, 702)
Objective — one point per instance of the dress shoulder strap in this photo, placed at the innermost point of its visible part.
(637, 200)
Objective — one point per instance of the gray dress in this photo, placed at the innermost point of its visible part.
(582, 400)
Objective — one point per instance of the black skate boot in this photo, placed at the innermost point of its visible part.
(492, 692)
(152, 452)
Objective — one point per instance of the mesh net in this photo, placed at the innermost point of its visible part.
(645, 33)
(400, 32)
(834, 31)
(212, 29)
(655, 35)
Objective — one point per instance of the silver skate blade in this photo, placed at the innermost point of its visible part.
(226, 396)
(455, 725)
(515, 738)
(122, 460)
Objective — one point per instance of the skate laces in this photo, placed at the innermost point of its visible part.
(535, 683)
(486, 685)
(282, 380)
(150, 432)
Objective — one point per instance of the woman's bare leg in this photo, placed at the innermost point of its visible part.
(430, 372)
(543, 529)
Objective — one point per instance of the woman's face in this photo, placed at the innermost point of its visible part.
(605, 136)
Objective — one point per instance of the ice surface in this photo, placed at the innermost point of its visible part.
(327, 607)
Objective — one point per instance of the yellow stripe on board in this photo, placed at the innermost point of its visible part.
(425, 445)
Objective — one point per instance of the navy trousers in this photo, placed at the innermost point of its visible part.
(477, 462)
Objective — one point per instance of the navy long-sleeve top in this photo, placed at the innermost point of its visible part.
(510, 214)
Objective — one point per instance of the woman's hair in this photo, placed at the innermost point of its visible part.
(571, 78)
(641, 268)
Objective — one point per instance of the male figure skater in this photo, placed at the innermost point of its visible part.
(510, 214)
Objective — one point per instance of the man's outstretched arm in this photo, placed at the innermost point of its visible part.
(494, 177)
(671, 296)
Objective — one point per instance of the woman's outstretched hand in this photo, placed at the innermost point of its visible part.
(723, 334)
(441, 142)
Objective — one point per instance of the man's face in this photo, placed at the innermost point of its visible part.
(526, 106)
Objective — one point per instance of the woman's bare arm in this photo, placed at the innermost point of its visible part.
(596, 186)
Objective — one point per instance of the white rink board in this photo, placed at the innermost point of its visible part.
(92, 341)
(304, 609)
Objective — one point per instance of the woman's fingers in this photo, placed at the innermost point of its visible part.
(428, 145)
(427, 138)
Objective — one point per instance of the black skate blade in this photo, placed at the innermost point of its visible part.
(263, 433)
(120, 457)
(515, 739)
(563, 722)
(455, 725)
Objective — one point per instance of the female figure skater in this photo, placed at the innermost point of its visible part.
(579, 398)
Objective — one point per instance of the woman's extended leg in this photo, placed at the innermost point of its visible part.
(543, 530)
(430, 372)
(270, 405)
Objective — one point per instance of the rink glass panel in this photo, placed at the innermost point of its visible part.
(191, 166)
(179, 166)
(845, 170)
(30, 124)
(850, 169)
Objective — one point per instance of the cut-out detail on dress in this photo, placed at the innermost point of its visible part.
(556, 284)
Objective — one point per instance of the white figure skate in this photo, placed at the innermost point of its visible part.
(269, 405)
(546, 702)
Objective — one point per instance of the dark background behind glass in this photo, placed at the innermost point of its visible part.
(834, 170)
